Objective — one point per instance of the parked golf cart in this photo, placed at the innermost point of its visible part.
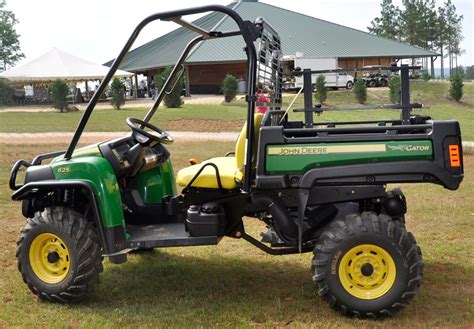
(318, 186)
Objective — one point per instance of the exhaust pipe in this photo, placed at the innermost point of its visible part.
(282, 222)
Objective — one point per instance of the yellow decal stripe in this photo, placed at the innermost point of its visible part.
(317, 150)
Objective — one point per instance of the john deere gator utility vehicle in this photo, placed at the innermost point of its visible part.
(318, 186)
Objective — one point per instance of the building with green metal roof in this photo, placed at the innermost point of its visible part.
(211, 60)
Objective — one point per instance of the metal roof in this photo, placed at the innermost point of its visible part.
(298, 32)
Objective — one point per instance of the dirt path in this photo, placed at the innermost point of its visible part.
(93, 137)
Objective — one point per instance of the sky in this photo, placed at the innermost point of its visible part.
(96, 30)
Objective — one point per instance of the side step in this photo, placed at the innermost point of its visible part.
(164, 235)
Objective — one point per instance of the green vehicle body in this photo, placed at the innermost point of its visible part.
(88, 165)
(299, 158)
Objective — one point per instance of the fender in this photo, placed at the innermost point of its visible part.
(112, 238)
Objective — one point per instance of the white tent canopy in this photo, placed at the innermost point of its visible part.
(57, 64)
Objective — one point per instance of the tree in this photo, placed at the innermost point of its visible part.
(6, 93)
(395, 92)
(455, 91)
(360, 91)
(229, 87)
(173, 98)
(321, 89)
(425, 75)
(441, 36)
(117, 93)
(453, 32)
(9, 44)
(469, 73)
(387, 25)
(59, 90)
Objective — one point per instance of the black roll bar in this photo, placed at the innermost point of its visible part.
(176, 15)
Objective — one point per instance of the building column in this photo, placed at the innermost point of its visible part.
(186, 83)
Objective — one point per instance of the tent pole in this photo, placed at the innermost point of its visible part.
(87, 90)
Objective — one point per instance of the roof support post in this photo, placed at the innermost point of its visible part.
(135, 89)
(186, 81)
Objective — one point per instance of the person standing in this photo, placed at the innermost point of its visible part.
(153, 89)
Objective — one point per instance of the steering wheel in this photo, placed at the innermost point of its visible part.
(144, 137)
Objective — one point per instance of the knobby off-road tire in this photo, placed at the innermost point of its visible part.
(367, 265)
(59, 255)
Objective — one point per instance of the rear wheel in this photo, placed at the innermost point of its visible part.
(372, 83)
(367, 265)
(59, 255)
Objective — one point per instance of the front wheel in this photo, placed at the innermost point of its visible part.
(367, 265)
(59, 255)
(349, 85)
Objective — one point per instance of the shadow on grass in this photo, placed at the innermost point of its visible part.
(218, 288)
(179, 288)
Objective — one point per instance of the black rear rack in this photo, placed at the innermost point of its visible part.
(405, 106)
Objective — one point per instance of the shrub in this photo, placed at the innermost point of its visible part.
(6, 93)
(394, 87)
(455, 91)
(117, 93)
(173, 99)
(59, 90)
(229, 87)
(425, 75)
(321, 89)
(360, 91)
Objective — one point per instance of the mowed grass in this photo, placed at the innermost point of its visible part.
(194, 117)
(236, 285)
(231, 117)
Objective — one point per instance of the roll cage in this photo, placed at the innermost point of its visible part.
(250, 32)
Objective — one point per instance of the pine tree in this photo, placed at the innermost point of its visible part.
(387, 25)
(441, 36)
(173, 98)
(59, 90)
(321, 89)
(394, 86)
(117, 92)
(229, 87)
(455, 91)
(10, 52)
(453, 30)
(360, 91)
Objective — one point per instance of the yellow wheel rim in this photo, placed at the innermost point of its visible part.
(49, 258)
(367, 271)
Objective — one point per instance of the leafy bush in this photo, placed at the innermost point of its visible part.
(321, 89)
(360, 91)
(229, 87)
(6, 93)
(426, 76)
(173, 99)
(395, 92)
(455, 91)
(117, 93)
(59, 90)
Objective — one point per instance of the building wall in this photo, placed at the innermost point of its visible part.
(207, 78)
(349, 63)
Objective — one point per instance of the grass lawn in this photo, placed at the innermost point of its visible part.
(231, 117)
(237, 285)
(194, 117)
